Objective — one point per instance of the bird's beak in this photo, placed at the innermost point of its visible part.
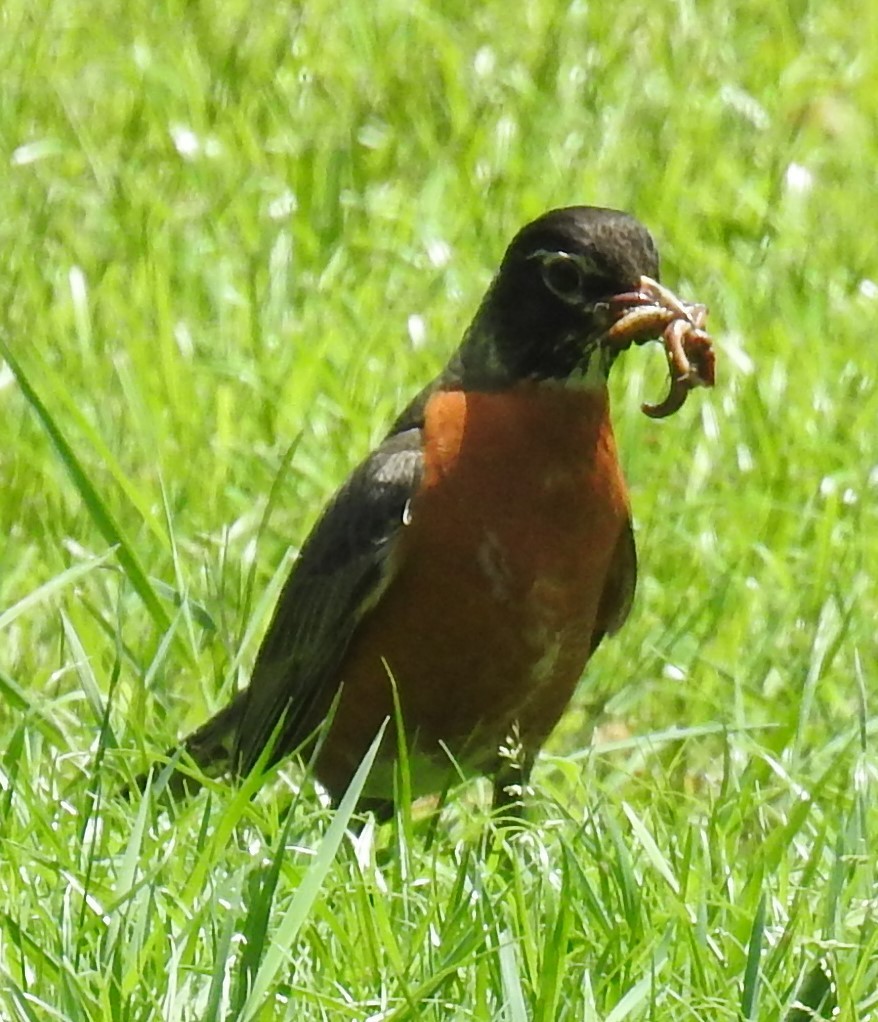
(644, 314)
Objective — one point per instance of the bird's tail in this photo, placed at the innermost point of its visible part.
(212, 747)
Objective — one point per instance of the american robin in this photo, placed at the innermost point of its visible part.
(478, 556)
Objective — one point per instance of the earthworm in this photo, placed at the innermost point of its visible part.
(654, 311)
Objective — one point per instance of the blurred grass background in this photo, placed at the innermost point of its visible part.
(235, 239)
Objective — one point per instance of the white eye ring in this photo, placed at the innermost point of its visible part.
(564, 276)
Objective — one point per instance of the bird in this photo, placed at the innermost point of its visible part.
(462, 576)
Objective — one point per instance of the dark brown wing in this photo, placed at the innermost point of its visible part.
(344, 566)
(618, 594)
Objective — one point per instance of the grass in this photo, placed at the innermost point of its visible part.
(235, 238)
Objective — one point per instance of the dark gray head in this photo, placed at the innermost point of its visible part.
(546, 310)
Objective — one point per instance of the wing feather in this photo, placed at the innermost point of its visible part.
(345, 564)
(618, 594)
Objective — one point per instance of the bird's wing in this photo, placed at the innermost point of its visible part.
(618, 594)
(344, 567)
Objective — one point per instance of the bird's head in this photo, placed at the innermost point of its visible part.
(556, 310)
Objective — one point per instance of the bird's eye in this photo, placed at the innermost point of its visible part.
(562, 275)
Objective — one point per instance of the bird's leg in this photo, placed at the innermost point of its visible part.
(512, 775)
(508, 794)
(380, 808)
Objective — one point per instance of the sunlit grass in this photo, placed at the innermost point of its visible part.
(235, 239)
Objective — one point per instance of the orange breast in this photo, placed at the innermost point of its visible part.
(489, 621)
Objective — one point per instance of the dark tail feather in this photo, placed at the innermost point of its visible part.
(211, 747)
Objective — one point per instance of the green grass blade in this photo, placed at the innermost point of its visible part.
(750, 991)
(49, 589)
(91, 498)
(296, 914)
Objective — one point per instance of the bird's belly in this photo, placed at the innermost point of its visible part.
(488, 624)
